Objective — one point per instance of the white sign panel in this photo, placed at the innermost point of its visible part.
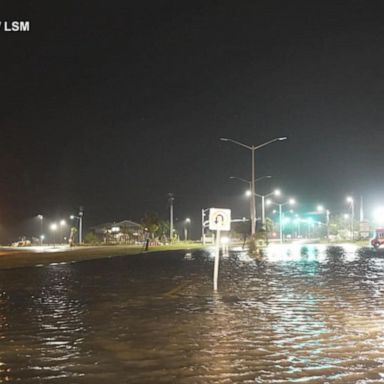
(219, 219)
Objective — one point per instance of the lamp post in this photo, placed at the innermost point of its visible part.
(281, 205)
(80, 219)
(53, 228)
(41, 218)
(321, 209)
(253, 148)
(249, 193)
(276, 192)
(351, 202)
(186, 223)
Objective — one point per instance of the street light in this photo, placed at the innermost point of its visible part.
(80, 219)
(53, 228)
(187, 222)
(253, 148)
(41, 217)
(351, 202)
(290, 201)
(321, 209)
(248, 193)
(276, 193)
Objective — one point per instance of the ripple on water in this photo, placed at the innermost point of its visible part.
(310, 314)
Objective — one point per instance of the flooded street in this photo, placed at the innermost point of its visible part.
(300, 314)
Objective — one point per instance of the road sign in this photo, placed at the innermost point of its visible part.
(219, 219)
(364, 229)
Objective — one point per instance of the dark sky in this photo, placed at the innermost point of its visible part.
(113, 104)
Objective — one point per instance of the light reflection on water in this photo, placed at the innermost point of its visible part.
(300, 313)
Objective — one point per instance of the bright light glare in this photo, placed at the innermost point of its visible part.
(320, 208)
(187, 220)
(346, 216)
(277, 192)
(248, 193)
(53, 227)
(292, 201)
(378, 215)
(349, 199)
(225, 240)
(268, 202)
(62, 223)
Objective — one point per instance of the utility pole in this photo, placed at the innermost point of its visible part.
(170, 200)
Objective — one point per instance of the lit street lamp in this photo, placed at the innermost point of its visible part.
(248, 193)
(41, 217)
(253, 148)
(276, 192)
(351, 202)
(80, 219)
(187, 222)
(281, 205)
(53, 228)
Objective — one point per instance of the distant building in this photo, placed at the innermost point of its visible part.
(122, 232)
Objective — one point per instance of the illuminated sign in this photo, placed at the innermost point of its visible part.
(219, 219)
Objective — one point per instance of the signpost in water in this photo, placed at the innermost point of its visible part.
(219, 220)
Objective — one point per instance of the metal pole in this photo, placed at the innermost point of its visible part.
(353, 219)
(263, 211)
(171, 221)
(41, 230)
(217, 259)
(327, 217)
(202, 227)
(171, 198)
(280, 224)
(253, 217)
(81, 228)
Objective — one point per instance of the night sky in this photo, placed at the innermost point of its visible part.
(113, 104)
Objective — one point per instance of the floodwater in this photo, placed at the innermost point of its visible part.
(299, 314)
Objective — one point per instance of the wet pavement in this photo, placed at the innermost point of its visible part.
(299, 314)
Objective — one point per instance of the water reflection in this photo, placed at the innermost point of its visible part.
(307, 313)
